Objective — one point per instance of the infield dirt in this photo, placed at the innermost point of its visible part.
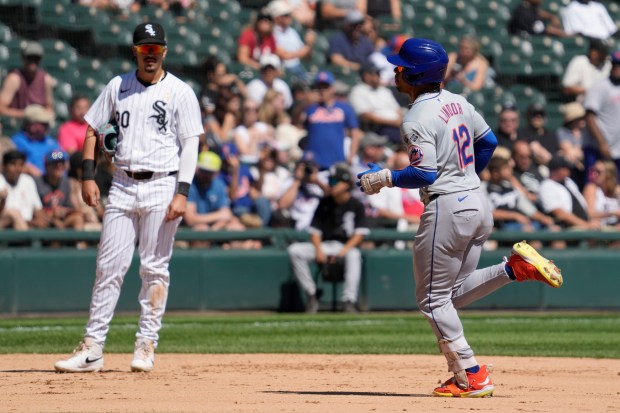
(303, 383)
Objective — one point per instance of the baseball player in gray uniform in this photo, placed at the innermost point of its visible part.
(449, 143)
(159, 123)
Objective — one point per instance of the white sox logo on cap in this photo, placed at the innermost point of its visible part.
(149, 33)
(149, 29)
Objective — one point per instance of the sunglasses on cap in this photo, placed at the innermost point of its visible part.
(150, 48)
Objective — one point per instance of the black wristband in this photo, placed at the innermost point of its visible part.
(88, 170)
(183, 188)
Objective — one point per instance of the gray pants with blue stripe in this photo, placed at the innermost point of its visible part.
(446, 252)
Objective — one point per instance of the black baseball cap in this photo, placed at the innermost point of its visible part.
(340, 172)
(149, 33)
(536, 108)
(558, 161)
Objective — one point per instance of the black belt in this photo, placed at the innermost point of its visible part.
(142, 175)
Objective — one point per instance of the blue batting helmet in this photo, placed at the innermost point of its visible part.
(425, 61)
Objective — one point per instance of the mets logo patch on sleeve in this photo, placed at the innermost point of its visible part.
(416, 155)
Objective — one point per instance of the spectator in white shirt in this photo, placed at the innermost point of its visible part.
(289, 45)
(585, 70)
(588, 18)
(20, 205)
(560, 197)
(270, 66)
(375, 105)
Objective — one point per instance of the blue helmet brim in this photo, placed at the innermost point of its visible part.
(396, 60)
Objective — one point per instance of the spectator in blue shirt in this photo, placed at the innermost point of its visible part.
(328, 123)
(247, 203)
(34, 141)
(349, 47)
(208, 204)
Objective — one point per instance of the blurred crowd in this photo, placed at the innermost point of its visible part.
(269, 144)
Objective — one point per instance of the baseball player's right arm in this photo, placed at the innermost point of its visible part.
(90, 190)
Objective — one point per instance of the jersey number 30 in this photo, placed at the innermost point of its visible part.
(462, 139)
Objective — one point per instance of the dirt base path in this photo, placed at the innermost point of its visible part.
(268, 383)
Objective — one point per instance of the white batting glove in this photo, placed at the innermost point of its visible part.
(372, 182)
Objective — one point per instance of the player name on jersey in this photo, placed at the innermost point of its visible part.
(449, 110)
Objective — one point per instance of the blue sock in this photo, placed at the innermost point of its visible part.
(474, 369)
(508, 270)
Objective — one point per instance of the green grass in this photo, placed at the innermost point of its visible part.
(511, 334)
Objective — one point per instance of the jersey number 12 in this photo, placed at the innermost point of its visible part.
(462, 139)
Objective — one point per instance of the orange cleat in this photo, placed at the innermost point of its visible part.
(528, 264)
(479, 383)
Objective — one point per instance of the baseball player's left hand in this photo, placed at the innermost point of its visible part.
(375, 178)
(373, 168)
(176, 209)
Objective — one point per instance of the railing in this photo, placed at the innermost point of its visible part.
(280, 237)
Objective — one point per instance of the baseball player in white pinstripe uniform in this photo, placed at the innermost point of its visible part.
(449, 143)
(159, 123)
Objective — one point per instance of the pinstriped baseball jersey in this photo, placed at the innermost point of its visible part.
(440, 130)
(149, 118)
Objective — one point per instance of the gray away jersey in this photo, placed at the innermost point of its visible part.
(152, 120)
(439, 131)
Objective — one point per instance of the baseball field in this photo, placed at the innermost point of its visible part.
(378, 362)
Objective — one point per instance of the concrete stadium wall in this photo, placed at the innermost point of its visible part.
(58, 280)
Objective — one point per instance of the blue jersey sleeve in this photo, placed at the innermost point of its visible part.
(412, 177)
(483, 150)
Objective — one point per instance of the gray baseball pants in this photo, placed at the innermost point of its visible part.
(447, 249)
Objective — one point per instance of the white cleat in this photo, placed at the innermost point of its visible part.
(87, 357)
(143, 356)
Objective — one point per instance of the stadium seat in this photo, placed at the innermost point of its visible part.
(525, 95)
(180, 56)
(157, 14)
(109, 37)
(499, 9)
(51, 11)
(181, 35)
(61, 110)
(545, 64)
(548, 45)
(15, 46)
(462, 9)
(63, 91)
(10, 126)
(88, 17)
(436, 12)
(388, 26)
(88, 85)
(5, 54)
(244, 72)
(555, 118)
(5, 33)
(430, 31)
(214, 49)
(119, 65)
(94, 67)
(56, 49)
(573, 46)
(316, 62)
(458, 28)
(511, 63)
(476, 98)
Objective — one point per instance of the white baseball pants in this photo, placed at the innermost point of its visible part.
(135, 213)
(301, 253)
